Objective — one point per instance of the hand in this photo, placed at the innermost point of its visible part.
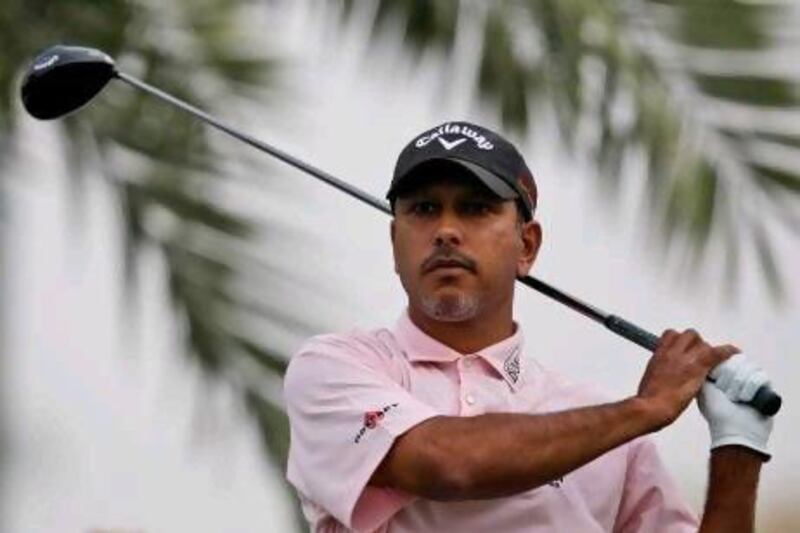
(676, 372)
(730, 422)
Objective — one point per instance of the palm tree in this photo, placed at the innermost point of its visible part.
(169, 189)
(695, 96)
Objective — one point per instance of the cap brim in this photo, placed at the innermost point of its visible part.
(495, 184)
(487, 178)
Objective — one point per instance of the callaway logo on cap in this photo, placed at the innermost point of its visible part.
(484, 153)
(460, 131)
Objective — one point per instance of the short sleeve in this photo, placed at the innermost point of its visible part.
(344, 415)
(651, 502)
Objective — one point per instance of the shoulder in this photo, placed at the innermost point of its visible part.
(366, 346)
(356, 350)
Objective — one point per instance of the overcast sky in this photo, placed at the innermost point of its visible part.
(104, 432)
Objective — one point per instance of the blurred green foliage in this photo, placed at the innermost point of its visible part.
(164, 165)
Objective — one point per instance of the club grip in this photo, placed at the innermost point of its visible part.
(766, 401)
(632, 332)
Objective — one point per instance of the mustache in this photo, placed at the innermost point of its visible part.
(447, 256)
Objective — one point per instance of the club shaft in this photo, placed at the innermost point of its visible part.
(255, 143)
(766, 401)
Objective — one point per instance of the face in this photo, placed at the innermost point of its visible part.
(458, 248)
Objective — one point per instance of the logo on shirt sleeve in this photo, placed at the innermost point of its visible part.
(372, 419)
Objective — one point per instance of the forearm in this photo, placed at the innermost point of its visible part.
(499, 454)
(731, 501)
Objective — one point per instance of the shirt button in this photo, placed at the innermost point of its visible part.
(470, 399)
(468, 362)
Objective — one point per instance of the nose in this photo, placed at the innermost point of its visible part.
(448, 233)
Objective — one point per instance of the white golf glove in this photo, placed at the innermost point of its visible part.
(736, 380)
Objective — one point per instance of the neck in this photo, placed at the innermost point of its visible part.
(468, 336)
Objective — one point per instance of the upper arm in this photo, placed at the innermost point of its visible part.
(344, 418)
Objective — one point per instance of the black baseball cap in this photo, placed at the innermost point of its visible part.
(480, 151)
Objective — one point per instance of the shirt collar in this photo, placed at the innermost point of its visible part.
(505, 356)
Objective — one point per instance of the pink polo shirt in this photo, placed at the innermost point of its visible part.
(350, 395)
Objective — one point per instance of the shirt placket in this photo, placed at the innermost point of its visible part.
(468, 373)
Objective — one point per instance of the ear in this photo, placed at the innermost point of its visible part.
(531, 238)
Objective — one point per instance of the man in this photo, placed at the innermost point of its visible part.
(443, 423)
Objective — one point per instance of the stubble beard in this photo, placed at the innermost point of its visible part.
(451, 307)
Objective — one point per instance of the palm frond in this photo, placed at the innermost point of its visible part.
(165, 170)
(426, 24)
(681, 83)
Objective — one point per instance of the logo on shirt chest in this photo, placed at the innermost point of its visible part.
(372, 419)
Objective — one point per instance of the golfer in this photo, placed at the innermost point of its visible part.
(445, 422)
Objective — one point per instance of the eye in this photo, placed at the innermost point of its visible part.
(423, 207)
(477, 207)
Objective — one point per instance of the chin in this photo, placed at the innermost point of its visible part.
(450, 306)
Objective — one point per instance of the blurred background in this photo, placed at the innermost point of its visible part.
(157, 276)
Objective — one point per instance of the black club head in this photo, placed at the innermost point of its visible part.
(64, 78)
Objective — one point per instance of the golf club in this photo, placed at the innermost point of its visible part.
(64, 78)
